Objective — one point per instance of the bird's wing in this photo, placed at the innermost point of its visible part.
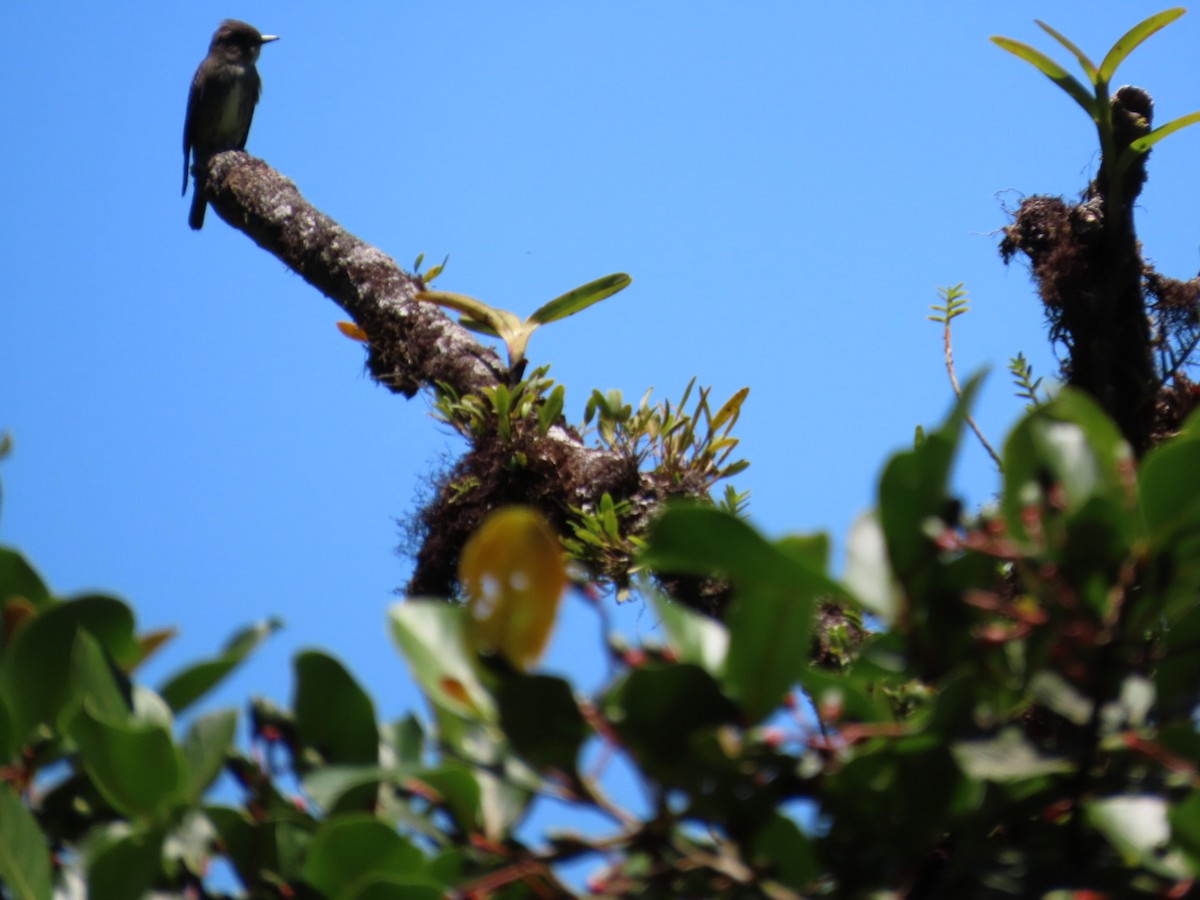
(193, 102)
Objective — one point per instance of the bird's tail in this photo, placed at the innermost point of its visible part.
(199, 204)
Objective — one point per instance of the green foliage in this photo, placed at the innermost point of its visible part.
(684, 447)
(515, 332)
(954, 304)
(1029, 692)
(1096, 101)
(1020, 722)
(503, 410)
(1027, 386)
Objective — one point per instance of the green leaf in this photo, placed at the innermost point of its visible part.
(335, 716)
(1008, 756)
(1137, 826)
(1184, 818)
(92, 680)
(353, 850)
(8, 737)
(430, 635)
(1088, 66)
(1133, 37)
(468, 306)
(580, 298)
(811, 550)
(853, 703)
(386, 887)
(542, 721)
(137, 768)
(205, 748)
(783, 851)
(775, 589)
(19, 579)
(1169, 492)
(868, 573)
(1071, 448)
(190, 684)
(693, 638)
(24, 854)
(459, 790)
(770, 639)
(478, 327)
(550, 410)
(408, 740)
(656, 710)
(330, 785)
(1051, 70)
(37, 676)
(124, 863)
(703, 540)
(1143, 144)
(914, 490)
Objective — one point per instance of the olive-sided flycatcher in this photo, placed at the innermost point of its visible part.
(221, 103)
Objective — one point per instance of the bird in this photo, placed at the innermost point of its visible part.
(221, 103)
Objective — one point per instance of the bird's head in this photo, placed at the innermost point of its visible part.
(238, 41)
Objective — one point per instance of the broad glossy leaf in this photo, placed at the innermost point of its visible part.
(353, 849)
(782, 849)
(1184, 819)
(914, 489)
(124, 863)
(1137, 826)
(831, 691)
(1169, 491)
(775, 590)
(190, 684)
(458, 789)
(37, 675)
(204, 750)
(692, 637)
(541, 720)
(580, 298)
(19, 579)
(868, 572)
(703, 540)
(770, 640)
(137, 768)
(657, 709)
(329, 786)
(335, 716)
(390, 887)
(1008, 756)
(431, 637)
(1071, 447)
(513, 573)
(24, 853)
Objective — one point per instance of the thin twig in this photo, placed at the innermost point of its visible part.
(946, 343)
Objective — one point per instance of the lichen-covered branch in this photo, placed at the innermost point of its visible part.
(414, 345)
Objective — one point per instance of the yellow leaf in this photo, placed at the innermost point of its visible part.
(352, 331)
(513, 573)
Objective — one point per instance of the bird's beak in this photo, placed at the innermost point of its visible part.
(267, 38)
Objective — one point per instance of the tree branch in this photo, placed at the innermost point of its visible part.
(412, 344)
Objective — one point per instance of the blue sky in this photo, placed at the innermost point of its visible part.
(787, 183)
